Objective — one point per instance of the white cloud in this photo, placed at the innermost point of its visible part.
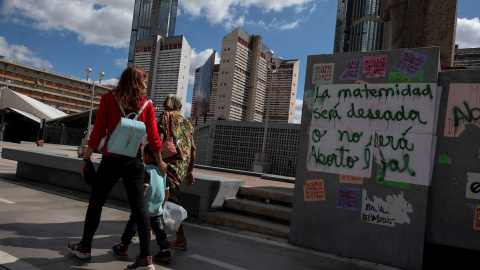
(313, 9)
(121, 63)
(99, 22)
(231, 13)
(468, 33)
(22, 54)
(197, 60)
(188, 109)
(298, 111)
(111, 81)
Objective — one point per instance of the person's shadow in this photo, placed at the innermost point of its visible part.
(44, 246)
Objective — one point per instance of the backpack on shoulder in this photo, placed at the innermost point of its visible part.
(128, 134)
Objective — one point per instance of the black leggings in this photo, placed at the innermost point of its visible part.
(111, 169)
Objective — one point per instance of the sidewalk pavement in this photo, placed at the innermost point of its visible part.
(450, 256)
(36, 221)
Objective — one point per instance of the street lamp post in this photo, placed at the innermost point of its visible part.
(2, 124)
(100, 76)
(262, 163)
(83, 146)
(277, 61)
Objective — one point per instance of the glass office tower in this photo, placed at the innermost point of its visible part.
(359, 26)
(151, 18)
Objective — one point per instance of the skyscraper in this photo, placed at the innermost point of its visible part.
(151, 18)
(242, 77)
(359, 26)
(168, 63)
(284, 92)
(155, 48)
(240, 82)
(172, 66)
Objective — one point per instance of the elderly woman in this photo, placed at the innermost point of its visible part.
(179, 165)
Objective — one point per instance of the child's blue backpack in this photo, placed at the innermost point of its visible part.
(128, 134)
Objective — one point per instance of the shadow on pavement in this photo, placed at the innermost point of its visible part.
(44, 245)
(445, 257)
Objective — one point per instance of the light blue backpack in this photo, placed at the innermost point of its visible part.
(128, 134)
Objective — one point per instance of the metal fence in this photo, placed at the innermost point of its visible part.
(233, 145)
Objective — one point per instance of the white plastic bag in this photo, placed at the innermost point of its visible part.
(173, 215)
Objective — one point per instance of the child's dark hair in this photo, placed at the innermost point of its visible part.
(148, 151)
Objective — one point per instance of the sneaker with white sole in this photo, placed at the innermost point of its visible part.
(142, 264)
(76, 249)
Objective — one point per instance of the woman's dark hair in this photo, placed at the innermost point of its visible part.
(129, 89)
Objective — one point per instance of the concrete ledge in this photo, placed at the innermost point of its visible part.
(265, 176)
(207, 194)
(228, 170)
(55, 169)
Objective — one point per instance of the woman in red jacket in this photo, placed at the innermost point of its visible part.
(130, 93)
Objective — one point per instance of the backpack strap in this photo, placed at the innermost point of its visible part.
(119, 105)
(143, 107)
(136, 115)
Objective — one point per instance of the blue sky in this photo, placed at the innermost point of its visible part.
(67, 36)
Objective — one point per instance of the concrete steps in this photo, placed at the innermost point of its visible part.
(248, 223)
(260, 210)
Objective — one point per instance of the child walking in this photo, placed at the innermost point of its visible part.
(156, 195)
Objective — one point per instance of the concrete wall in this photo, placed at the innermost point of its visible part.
(454, 200)
(350, 208)
(206, 195)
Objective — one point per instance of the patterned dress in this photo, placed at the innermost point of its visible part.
(177, 165)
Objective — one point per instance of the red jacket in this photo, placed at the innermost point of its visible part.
(108, 116)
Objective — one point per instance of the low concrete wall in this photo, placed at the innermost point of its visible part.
(207, 194)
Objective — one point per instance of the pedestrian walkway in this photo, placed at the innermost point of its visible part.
(37, 220)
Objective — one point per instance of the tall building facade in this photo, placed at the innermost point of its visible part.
(168, 74)
(151, 18)
(467, 58)
(213, 93)
(63, 92)
(284, 92)
(359, 26)
(242, 78)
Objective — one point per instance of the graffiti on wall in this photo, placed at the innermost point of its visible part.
(393, 210)
(463, 108)
(375, 66)
(352, 70)
(339, 151)
(473, 186)
(411, 62)
(348, 198)
(387, 107)
(393, 122)
(314, 190)
(350, 179)
(476, 218)
(323, 73)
